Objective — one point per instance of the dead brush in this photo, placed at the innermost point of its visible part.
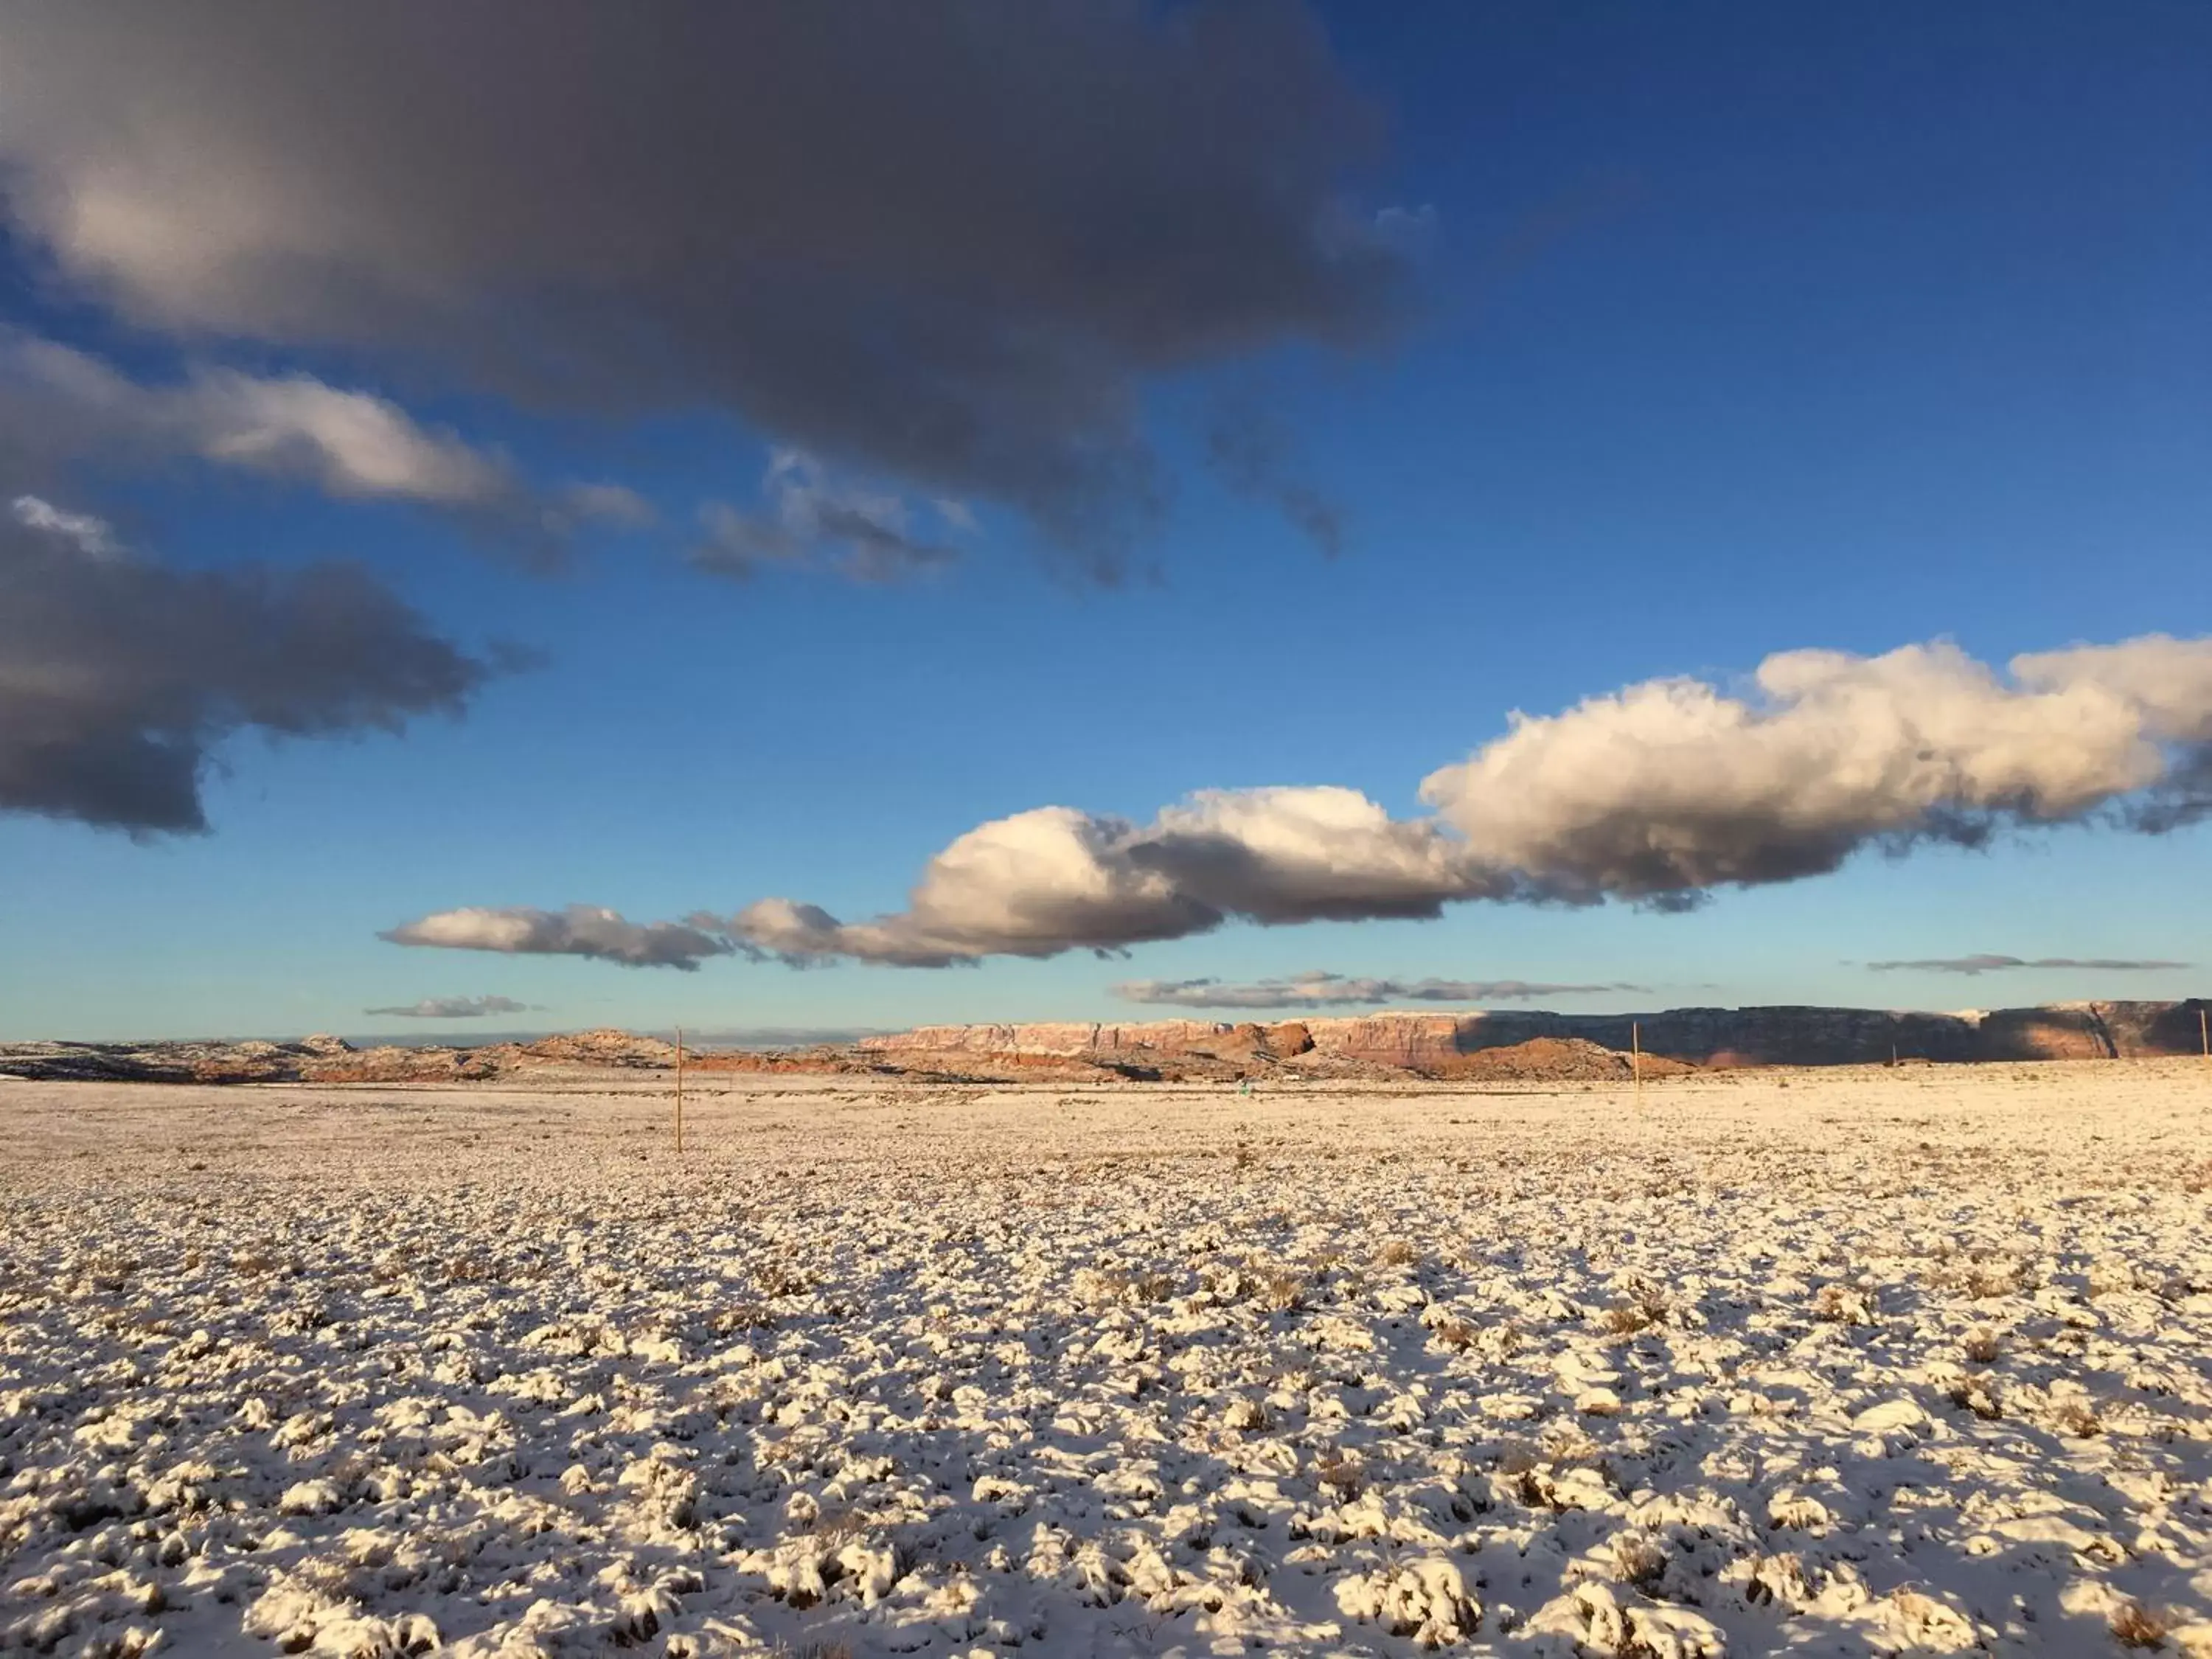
(1113, 1287)
(473, 1268)
(2135, 1626)
(1281, 1290)
(105, 1273)
(1248, 1415)
(1638, 1558)
(744, 1316)
(2078, 1418)
(1342, 1473)
(1969, 1394)
(1457, 1334)
(1625, 1319)
(1842, 1304)
(1398, 1253)
(1996, 1279)
(2111, 1278)
(1983, 1275)
(1644, 1305)
(1528, 1489)
(838, 1526)
(780, 1278)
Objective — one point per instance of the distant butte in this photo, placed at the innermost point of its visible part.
(1500, 1046)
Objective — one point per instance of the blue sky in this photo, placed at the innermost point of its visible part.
(1738, 330)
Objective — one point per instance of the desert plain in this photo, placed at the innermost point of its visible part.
(1844, 1361)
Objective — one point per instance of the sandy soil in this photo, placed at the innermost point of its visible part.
(1834, 1363)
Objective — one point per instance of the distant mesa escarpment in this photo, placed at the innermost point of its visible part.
(1454, 1044)
(325, 1060)
(1501, 1046)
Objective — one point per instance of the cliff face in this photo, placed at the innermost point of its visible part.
(1782, 1036)
(1514, 1042)
(1063, 1037)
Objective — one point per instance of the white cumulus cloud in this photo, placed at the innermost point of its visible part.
(1325, 990)
(1656, 794)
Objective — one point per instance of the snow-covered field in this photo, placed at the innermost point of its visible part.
(1845, 1362)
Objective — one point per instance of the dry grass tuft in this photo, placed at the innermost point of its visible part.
(1842, 1304)
(1247, 1415)
(1113, 1287)
(2078, 1418)
(1638, 1558)
(838, 1526)
(1973, 1397)
(1625, 1319)
(1455, 1334)
(781, 1279)
(1341, 1472)
(1645, 1305)
(2135, 1626)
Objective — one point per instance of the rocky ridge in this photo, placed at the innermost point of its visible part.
(1780, 1035)
(1499, 1045)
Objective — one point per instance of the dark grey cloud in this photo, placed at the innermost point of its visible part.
(1987, 963)
(1323, 990)
(455, 1008)
(580, 930)
(120, 678)
(863, 534)
(1253, 455)
(1655, 795)
(947, 243)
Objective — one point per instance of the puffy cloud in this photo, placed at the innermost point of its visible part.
(119, 678)
(581, 930)
(1986, 964)
(1056, 879)
(1655, 795)
(59, 406)
(868, 529)
(870, 230)
(1673, 787)
(455, 1008)
(1321, 990)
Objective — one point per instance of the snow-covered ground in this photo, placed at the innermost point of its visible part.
(1842, 1363)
